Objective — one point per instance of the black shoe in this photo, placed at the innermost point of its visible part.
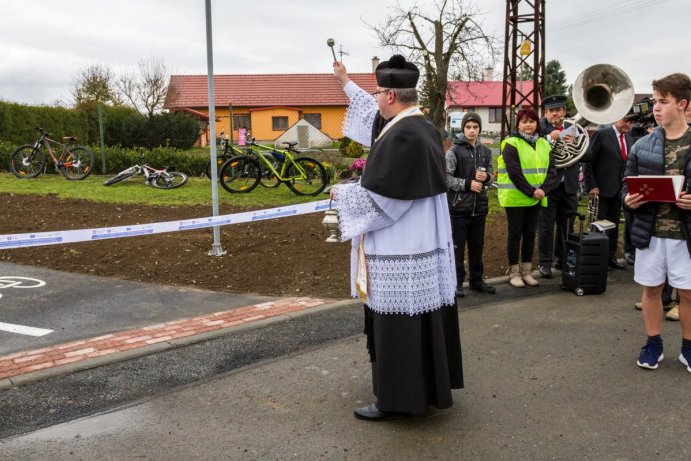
(615, 264)
(372, 413)
(545, 271)
(557, 264)
(459, 292)
(630, 258)
(483, 287)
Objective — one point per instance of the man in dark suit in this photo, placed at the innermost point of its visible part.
(609, 148)
(562, 197)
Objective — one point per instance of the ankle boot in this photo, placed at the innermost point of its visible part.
(527, 276)
(515, 276)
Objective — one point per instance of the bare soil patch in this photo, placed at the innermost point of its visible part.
(280, 257)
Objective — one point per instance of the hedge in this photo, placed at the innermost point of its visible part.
(18, 122)
(118, 158)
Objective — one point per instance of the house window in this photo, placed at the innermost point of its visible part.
(279, 123)
(314, 119)
(242, 121)
(495, 114)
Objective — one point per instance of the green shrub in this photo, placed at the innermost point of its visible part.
(345, 140)
(118, 158)
(18, 123)
(354, 150)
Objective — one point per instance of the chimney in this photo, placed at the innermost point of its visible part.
(489, 74)
(375, 63)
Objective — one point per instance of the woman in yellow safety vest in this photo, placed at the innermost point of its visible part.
(525, 171)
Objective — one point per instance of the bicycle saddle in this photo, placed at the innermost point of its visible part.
(69, 138)
(291, 144)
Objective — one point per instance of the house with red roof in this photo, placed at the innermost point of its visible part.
(267, 105)
(483, 97)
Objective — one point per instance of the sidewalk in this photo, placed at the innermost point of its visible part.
(550, 376)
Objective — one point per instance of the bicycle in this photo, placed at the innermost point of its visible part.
(74, 163)
(228, 151)
(165, 178)
(302, 175)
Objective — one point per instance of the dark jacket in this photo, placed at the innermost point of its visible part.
(462, 160)
(605, 167)
(569, 174)
(647, 158)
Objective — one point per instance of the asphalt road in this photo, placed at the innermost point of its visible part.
(549, 375)
(76, 306)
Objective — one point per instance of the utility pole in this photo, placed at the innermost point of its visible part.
(524, 52)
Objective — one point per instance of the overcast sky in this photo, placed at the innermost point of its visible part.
(44, 43)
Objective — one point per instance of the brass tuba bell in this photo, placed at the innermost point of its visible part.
(602, 93)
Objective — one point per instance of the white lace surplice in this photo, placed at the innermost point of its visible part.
(360, 115)
(408, 249)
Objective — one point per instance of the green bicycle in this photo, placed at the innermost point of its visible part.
(242, 173)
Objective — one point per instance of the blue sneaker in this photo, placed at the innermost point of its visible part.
(685, 358)
(651, 355)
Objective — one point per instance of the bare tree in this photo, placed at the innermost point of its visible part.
(448, 40)
(94, 84)
(145, 89)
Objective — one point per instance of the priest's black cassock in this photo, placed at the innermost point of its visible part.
(402, 258)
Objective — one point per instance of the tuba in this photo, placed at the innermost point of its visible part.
(602, 93)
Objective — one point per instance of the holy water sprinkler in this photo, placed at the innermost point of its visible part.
(330, 42)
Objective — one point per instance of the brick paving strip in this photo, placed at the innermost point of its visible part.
(27, 366)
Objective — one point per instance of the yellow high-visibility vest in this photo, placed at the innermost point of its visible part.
(534, 165)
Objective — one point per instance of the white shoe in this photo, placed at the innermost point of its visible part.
(673, 314)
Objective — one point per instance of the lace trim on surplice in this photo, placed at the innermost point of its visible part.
(411, 284)
(358, 211)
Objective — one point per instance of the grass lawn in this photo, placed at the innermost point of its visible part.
(196, 192)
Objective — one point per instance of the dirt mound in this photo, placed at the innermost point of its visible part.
(277, 257)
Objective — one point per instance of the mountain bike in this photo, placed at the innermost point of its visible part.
(302, 175)
(165, 178)
(228, 151)
(74, 163)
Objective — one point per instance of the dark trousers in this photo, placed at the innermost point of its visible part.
(628, 220)
(558, 204)
(522, 228)
(609, 208)
(470, 230)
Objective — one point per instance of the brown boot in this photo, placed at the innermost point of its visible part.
(527, 276)
(515, 276)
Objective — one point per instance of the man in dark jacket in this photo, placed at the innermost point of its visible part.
(468, 174)
(562, 197)
(607, 154)
(661, 232)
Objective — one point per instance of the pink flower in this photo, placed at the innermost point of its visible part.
(358, 165)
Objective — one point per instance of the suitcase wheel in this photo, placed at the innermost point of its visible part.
(579, 291)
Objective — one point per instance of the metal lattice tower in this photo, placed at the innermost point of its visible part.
(525, 21)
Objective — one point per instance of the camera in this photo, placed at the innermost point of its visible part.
(642, 117)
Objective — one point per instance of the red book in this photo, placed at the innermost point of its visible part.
(656, 188)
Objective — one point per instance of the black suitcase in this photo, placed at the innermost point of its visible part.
(586, 263)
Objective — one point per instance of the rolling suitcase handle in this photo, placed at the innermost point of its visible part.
(581, 217)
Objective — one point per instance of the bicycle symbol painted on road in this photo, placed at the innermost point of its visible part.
(11, 281)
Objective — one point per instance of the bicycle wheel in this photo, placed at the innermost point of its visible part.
(128, 173)
(268, 178)
(169, 180)
(219, 162)
(312, 182)
(78, 164)
(27, 162)
(240, 174)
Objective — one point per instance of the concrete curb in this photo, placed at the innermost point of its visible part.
(61, 370)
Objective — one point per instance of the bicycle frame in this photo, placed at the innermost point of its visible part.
(47, 142)
(256, 151)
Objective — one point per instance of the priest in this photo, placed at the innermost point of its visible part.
(402, 260)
